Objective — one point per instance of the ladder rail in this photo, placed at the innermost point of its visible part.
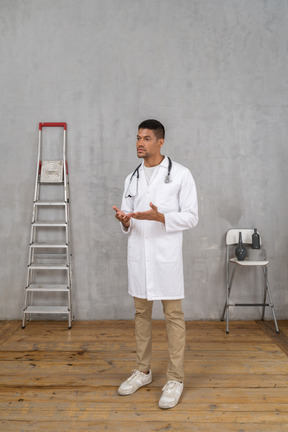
(38, 170)
(65, 166)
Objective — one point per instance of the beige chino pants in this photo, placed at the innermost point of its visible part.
(175, 327)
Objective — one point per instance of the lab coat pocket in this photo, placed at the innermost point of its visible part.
(133, 251)
(167, 197)
(168, 248)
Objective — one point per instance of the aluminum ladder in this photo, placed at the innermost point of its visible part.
(48, 288)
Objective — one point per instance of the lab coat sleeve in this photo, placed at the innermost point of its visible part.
(127, 206)
(187, 216)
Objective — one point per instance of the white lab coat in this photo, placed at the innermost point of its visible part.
(155, 265)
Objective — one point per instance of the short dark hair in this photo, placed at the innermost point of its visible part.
(154, 125)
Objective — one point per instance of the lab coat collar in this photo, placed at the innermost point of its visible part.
(163, 164)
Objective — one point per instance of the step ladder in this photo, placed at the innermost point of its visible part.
(49, 274)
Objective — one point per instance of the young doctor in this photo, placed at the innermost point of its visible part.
(159, 203)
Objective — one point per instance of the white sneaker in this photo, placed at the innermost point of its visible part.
(171, 394)
(134, 382)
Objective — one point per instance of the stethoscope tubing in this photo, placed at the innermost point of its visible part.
(136, 171)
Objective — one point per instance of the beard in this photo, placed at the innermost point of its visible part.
(142, 154)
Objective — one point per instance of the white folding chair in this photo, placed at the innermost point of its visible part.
(232, 237)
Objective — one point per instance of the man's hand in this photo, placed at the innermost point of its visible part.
(122, 217)
(152, 214)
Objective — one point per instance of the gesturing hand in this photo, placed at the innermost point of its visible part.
(122, 217)
(152, 214)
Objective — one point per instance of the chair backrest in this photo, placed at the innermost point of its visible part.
(232, 236)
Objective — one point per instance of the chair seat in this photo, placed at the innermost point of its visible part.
(247, 262)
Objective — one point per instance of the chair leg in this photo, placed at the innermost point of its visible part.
(270, 298)
(227, 320)
(226, 307)
(264, 301)
(226, 311)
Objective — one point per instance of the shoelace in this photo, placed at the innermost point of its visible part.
(169, 386)
(135, 374)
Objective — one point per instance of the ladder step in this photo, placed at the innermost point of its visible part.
(49, 258)
(61, 183)
(49, 245)
(50, 203)
(49, 224)
(47, 288)
(48, 267)
(46, 310)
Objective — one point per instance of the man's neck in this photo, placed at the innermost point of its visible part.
(148, 162)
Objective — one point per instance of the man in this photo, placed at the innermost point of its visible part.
(159, 202)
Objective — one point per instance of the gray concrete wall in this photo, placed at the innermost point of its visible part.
(213, 71)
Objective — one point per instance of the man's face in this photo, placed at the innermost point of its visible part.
(148, 145)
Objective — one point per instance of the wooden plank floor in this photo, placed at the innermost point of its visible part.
(55, 379)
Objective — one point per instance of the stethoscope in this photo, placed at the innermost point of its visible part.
(136, 171)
